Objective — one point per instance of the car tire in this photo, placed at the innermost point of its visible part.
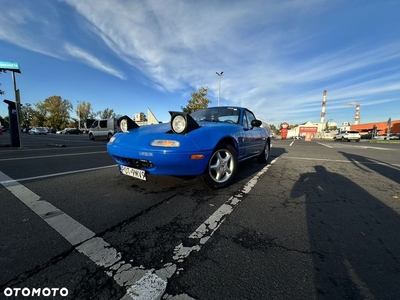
(342, 139)
(358, 140)
(109, 136)
(91, 136)
(264, 155)
(222, 167)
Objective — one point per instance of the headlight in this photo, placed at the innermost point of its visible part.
(112, 139)
(123, 125)
(178, 124)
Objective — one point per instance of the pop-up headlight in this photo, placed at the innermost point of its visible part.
(182, 123)
(126, 124)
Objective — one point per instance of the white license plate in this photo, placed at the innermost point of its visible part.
(136, 173)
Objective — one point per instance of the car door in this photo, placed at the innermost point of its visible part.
(251, 135)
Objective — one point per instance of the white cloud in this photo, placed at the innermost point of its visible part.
(91, 60)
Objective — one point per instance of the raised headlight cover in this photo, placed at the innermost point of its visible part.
(178, 124)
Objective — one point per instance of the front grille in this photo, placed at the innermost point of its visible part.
(136, 163)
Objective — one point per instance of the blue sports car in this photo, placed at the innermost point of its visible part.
(209, 142)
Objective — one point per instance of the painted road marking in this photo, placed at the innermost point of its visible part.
(357, 147)
(50, 156)
(329, 146)
(58, 174)
(140, 283)
(343, 161)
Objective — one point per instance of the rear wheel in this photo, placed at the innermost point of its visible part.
(91, 136)
(221, 167)
(109, 136)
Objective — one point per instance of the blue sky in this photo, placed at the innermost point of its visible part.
(277, 56)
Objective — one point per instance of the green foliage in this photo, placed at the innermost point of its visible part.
(27, 113)
(143, 117)
(5, 122)
(52, 112)
(84, 112)
(106, 114)
(198, 101)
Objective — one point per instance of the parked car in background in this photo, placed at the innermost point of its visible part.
(367, 136)
(69, 131)
(208, 143)
(73, 131)
(38, 130)
(392, 136)
(104, 128)
(349, 135)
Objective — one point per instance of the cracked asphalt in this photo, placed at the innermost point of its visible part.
(321, 222)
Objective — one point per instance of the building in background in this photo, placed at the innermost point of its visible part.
(381, 127)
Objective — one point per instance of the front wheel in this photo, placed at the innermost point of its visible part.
(264, 155)
(221, 167)
(91, 136)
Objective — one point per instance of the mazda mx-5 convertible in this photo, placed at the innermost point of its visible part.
(208, 143)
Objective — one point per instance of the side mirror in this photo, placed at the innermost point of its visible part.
(256, 123)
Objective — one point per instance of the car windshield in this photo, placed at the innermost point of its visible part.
(217, 114)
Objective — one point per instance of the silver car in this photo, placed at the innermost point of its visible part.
(38, 130)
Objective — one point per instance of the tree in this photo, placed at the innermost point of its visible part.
(54, 112)
(27, 113)
(143, 117)
(84, 112)
(198, 101)
(106, 114)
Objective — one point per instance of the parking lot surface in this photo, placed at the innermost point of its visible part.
(319, 221)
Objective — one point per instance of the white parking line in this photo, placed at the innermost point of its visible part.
(343, 161)
(139, 282)
(338, 145)
(322, 144)
(59, 174)
(50, 156)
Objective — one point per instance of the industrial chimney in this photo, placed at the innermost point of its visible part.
(357, 116)
(323, 107)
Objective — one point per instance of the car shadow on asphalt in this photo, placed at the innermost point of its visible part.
(353, 238)
(378, 166)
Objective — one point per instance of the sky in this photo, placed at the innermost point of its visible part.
(277, 57)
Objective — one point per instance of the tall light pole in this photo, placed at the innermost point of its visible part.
(79, 115)
(219, 87)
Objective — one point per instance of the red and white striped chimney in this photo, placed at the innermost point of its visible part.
(323, 107)
(357, 116)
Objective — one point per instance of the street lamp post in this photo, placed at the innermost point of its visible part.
(219, 87)
(79, 116)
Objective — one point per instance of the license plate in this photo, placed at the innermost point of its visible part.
(136, 173)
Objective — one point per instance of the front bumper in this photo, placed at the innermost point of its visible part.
(161, 162)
